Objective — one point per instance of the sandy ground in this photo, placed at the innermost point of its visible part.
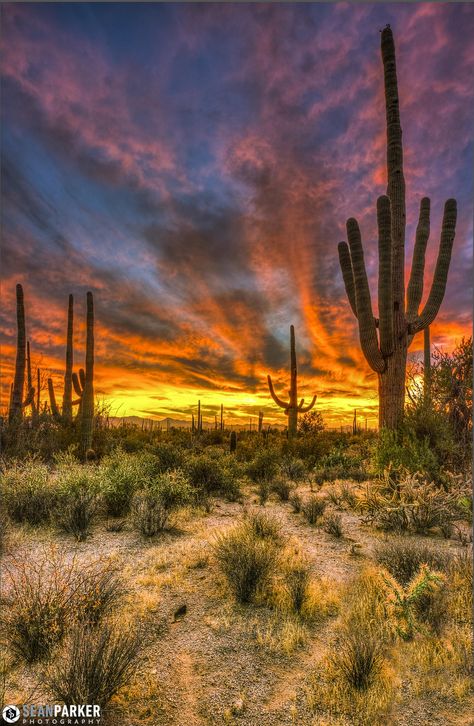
(208, 667)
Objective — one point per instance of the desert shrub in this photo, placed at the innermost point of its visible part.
(293, 469)
(169, 456)
(78, 497)
(214, 474)
(402, 557)
(403, 450)
(98, 592)
(152, 507)
(44, 594)
(27, 492)
(263, 526)
(340, 463)
(263, 466)
(296, 502)
(94, 665)
(248, 562)
(332, 523)
(119, 478)
(313, 508)
(39, 594)
(4, 529)
(282, 488)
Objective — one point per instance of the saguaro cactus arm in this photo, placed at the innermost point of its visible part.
(277, 400)
(367, 329)
(305, 409)
(440, 277)
(415, 284)
(347, 274)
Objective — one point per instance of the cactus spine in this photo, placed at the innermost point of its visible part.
(292, 407)
(398, 322)
(87, 398)
(17, 404)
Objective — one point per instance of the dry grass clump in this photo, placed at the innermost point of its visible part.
(296, 502)
(247, 555)
(332, 524)
(403, 556)
(355, 679)
(94, 664)
(313, 508)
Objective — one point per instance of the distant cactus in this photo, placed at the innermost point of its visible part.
(233, 441)
(17, 404)
(398, 322)
(354, 422)
(292, 407)
(260, 421)
(222, 417)
(87, 398)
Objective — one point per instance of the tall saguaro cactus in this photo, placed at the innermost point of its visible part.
(67, 396)
(292, 407)
(399, 320)
(17, 404)
(87, 399)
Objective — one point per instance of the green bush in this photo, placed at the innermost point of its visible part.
(153, 506)
(78, 497)
(27, 492)
(119, 478)
(293, 469)
(169, 456)
(263, 526)
(212, 474)
(263, 466)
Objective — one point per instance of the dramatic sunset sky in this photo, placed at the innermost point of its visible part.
(194, 165)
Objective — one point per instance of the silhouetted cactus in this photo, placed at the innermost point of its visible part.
(17, 404)
(260, 421)
(233, 441)
(222, 417)
(292, 407)
(87, 398)
(386, 352)
(66, 416)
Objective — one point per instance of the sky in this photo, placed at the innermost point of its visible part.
(194, 165)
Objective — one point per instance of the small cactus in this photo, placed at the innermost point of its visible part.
(292, 407)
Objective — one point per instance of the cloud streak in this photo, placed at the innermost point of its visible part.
(194, 166)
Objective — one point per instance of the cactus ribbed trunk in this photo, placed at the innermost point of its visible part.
(67, 396)
(87, 404)
(16, 405)
(292, 407)
(398, 322)
(392, 390)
